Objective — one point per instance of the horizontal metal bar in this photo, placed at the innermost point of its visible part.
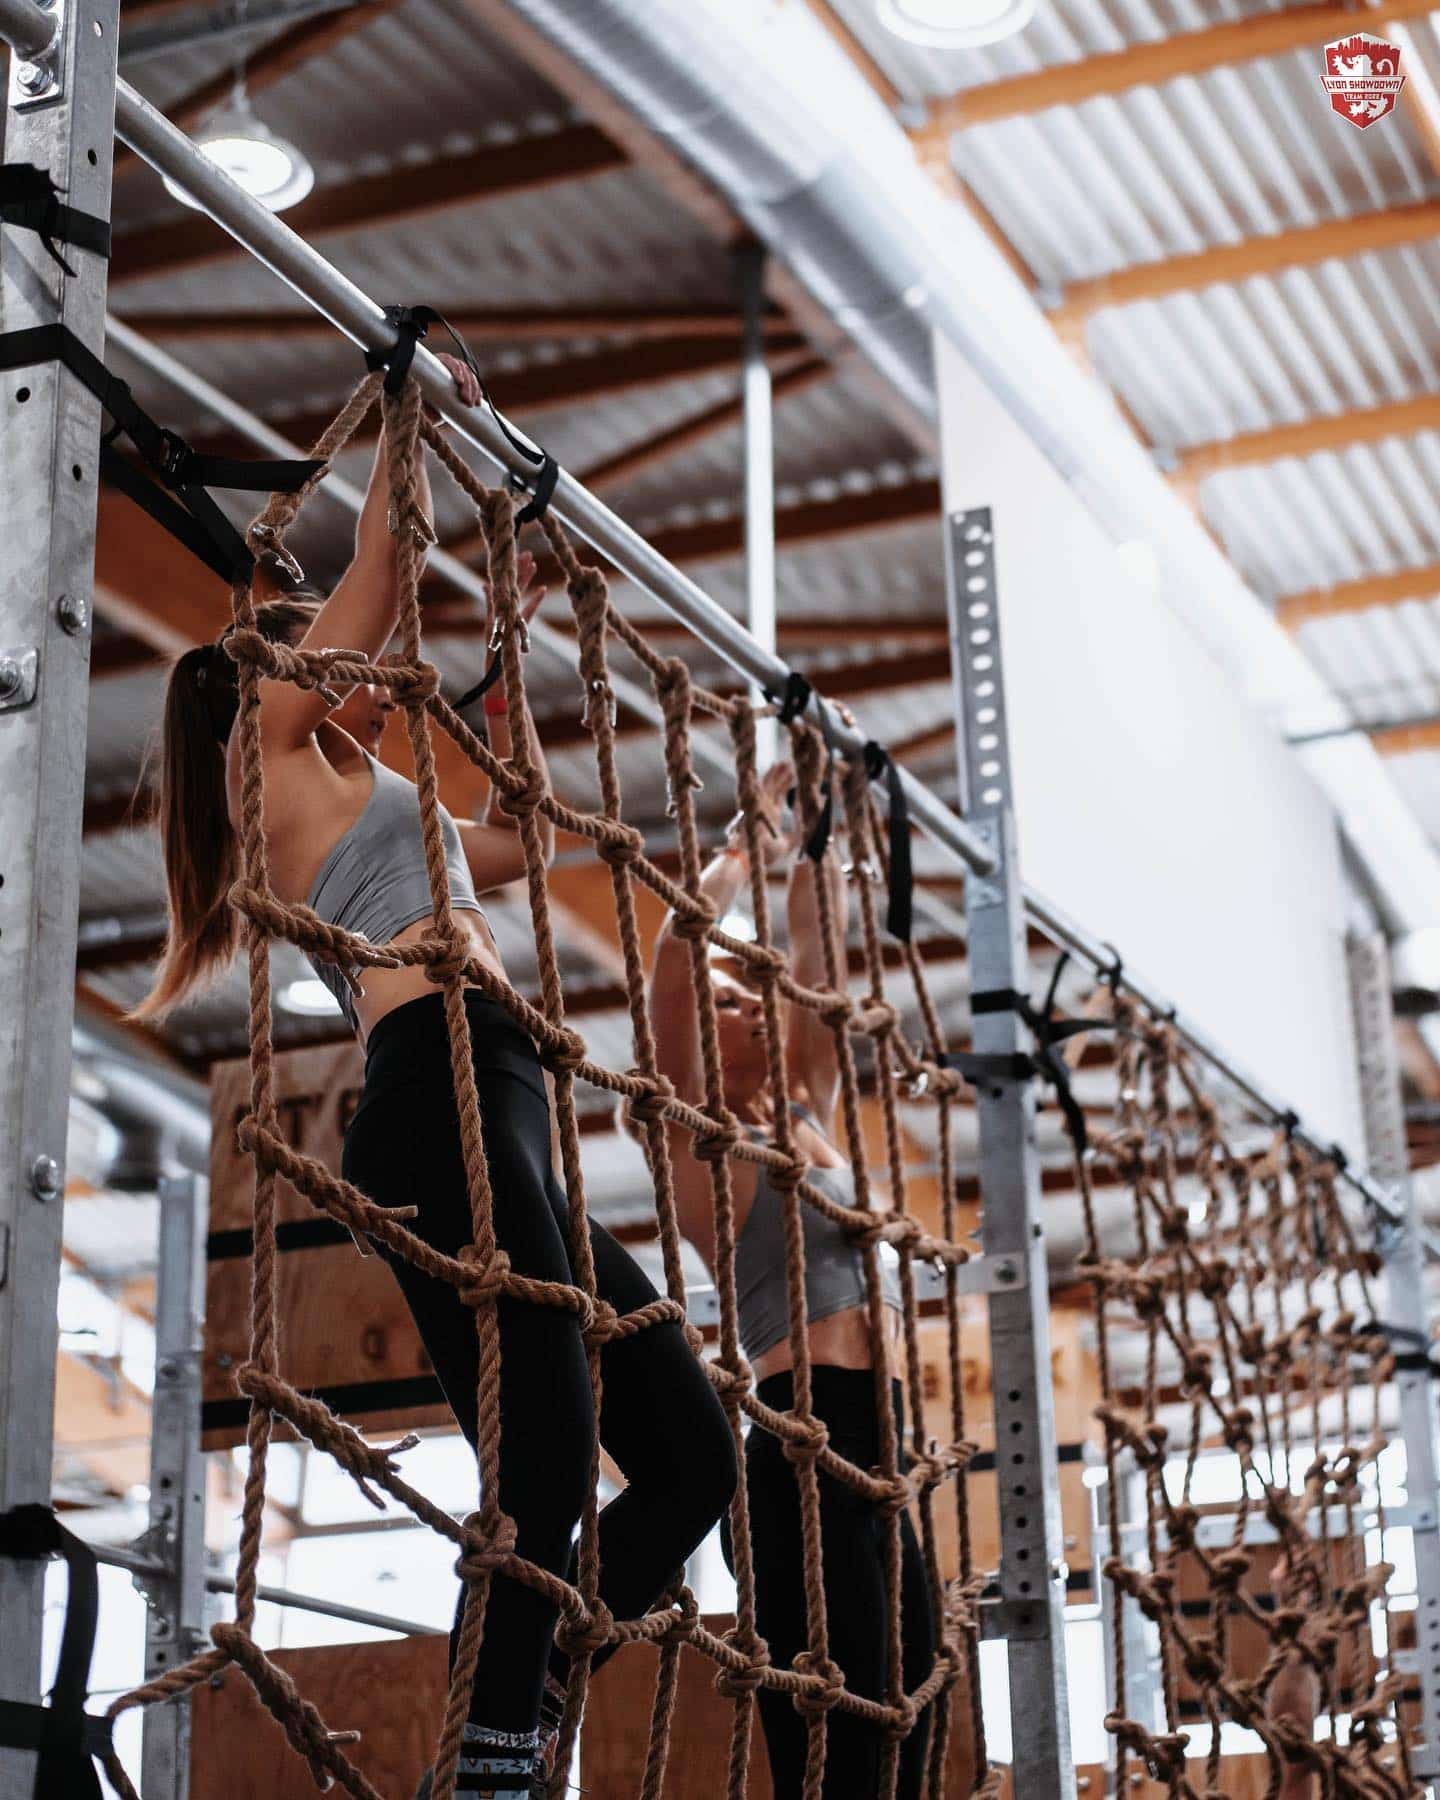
(1106, 959)
(300, 266)
(117, 1556)
(333, 1609)
(29, 29)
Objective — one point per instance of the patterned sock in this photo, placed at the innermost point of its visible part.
(497, 1763)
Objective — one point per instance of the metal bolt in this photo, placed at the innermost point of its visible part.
(12, 677)
(224, 1360)
(73, 614)
(1005, 1271)
(167, 1371)
(45, 1178)
(1059, 1569)
(34, 78)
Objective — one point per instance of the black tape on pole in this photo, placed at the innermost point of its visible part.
(67, 1738)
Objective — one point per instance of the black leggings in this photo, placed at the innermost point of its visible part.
(659, 1416)
(853, 1535)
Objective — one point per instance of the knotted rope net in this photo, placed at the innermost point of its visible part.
(485, 1541)
(1251, 1290)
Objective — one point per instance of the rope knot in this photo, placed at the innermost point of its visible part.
(805, 1439)
(603, 1323)
(489, 1547)
(836, 1011)
(581, 1634)
(731, 1384)
(718, 1139)
(897, 1495)
(649, 1106)
(788, 1174)
(694, 921)
(413, 684)
(564, 1053)
(828, 1683)
(734, 1684)
(485, 1281)
(526, 796)
(446, 959)
(902, 1719)
(621, 845)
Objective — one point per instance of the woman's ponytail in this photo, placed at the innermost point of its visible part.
(202, 857)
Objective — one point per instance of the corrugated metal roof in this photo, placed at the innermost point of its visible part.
(1384, 662)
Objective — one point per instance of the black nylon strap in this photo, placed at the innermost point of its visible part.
(1046, 1062)
(64, 1734)
(482, 686)
(899, 917)
(411, 324)
(30, 200)
(797, 696)
(194, 519)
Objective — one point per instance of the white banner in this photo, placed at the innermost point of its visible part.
(1154, 807)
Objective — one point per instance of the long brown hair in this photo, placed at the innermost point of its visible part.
(202, 856)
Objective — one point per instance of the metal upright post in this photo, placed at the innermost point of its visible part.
(1406, 1310)
(1031, 1611)
(175, 1538)
(60, 117)
(759, 440)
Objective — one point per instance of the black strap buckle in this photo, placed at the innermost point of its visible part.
(1049, 1034)
(411, 324)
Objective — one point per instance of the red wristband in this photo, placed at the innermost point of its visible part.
(496, 704)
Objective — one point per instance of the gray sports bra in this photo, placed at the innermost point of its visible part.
(834, 1265)
(374, 882)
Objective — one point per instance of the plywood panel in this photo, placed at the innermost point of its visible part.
(394, 1693)
(343, 1322)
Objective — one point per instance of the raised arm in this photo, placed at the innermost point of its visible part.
(810, 1056)
(361, 611)
(673, 1015)
(492, 843)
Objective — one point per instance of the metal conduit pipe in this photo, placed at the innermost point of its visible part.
(761, 101)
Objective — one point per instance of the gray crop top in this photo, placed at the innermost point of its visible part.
(374, 881)
(834, 1265)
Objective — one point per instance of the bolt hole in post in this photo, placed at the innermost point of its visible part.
(22, 395)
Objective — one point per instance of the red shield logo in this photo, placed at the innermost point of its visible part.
(1362, 77)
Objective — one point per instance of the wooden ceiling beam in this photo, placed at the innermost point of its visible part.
(492, 172)
(1310, 437)
(1186, 53)
(574, 381)
(796, 527)
(1406, 740)
(494, 325)
(282, 56)
(1295, 610)
(859, 681)
(712, 421)
(1392, 228)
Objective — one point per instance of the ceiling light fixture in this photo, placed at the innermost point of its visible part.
(309, 997)
(270, 168)
(954, 24)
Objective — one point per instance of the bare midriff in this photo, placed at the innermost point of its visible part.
(842, 1341)
(382, 990)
